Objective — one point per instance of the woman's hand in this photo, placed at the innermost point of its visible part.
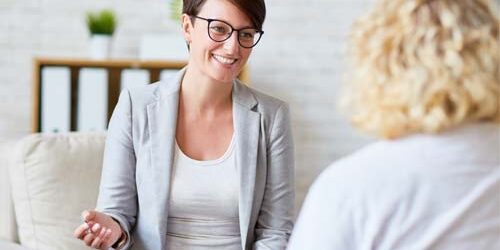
(99, 230)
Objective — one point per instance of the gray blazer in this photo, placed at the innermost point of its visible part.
(139, 153)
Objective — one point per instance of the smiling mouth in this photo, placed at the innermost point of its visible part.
(224, 60)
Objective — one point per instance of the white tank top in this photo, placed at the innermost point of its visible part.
(203, 206)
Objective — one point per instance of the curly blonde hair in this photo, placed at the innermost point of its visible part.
(422, 66)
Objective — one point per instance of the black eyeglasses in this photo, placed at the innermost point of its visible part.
(220, 31)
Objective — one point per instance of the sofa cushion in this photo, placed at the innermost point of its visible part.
(54, 177)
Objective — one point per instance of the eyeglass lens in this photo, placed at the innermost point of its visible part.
(220, 31)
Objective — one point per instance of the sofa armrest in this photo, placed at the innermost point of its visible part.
(8, 228)
(7, 245)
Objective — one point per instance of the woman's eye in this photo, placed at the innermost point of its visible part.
(219, 29)
(247, 35)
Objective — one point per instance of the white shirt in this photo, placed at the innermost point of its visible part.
(422, 192)
(203, 204)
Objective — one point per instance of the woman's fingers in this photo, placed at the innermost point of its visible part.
(80, 231)
(88, 238)
(96, 236)
(106, 240)
(96, 243)
(99, 230)
(100, 239)
(95, 228)
(102, 233)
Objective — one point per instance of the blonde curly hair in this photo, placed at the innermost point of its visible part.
(422, 66)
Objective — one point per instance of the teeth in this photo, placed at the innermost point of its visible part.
(224, 60)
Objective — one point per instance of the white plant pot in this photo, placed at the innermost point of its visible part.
(100, 46)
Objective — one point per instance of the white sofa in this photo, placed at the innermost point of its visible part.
(46, 180)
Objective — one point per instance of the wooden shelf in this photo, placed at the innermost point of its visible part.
(112, 63)
(114, 67)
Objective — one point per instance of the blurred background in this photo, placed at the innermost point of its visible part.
(300, 59)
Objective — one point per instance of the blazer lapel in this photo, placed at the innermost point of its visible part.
(247, 126)
(162, 122)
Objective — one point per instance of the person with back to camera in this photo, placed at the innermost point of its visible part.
(426, 79)
(198, 161)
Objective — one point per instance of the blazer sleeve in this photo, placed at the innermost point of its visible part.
(275, 221)
(117, 192)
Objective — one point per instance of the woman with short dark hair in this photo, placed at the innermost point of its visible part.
(199, 161)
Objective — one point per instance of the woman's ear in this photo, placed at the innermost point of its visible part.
(187, 27)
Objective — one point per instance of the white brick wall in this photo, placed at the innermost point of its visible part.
(300, 59)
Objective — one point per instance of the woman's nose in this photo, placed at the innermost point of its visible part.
(231, 44)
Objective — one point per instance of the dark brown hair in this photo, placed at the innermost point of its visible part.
(254, 9)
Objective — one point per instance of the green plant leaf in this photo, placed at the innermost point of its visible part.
(103, 22)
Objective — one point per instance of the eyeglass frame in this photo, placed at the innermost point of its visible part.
(209, 20)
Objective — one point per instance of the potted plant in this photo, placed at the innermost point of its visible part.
(101, 26)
